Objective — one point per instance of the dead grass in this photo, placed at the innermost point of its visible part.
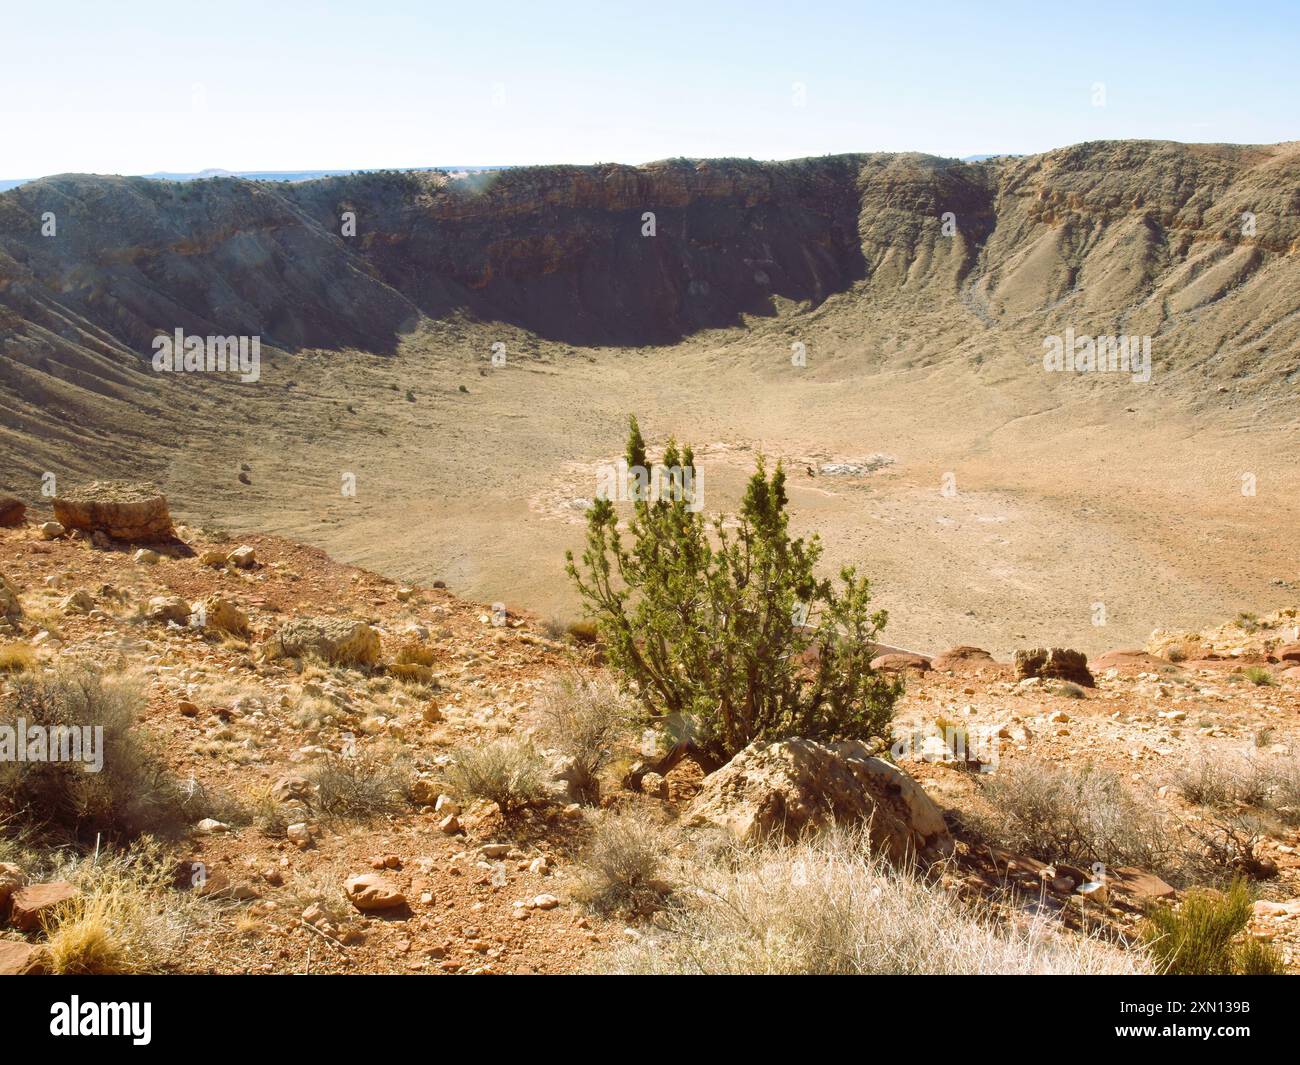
(581, 719)
(128, 919)
(132, 793)
(1080, 815)
(623, 865)
(16, 658)
(360, 786)
(828, 907)
(508, 772)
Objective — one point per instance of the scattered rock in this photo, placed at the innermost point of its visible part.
(10, 608)
(898, 661)
(22, 959)
(30, 904)
(146, 557)
(370, 891)
(13, 511)
(52, 530)
(1054, 663)
(210, 826)
(222, 615)
(165, 608)
(1138, 660)
(339, 641)
(654, 785)
(292, 787)
(1140, 884)
(962, 659)
(133, 512)
(797, 785)
(244, 557)
(215, 559)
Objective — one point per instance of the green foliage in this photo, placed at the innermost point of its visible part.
(1202, 937)
(715, 626)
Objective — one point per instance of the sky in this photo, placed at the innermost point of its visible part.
(138, 87)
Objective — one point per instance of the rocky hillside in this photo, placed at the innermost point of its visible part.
(310, 726)
(1143, 237)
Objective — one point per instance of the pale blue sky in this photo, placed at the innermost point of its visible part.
(288, 84)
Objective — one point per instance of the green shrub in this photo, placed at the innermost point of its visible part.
(1202, 937)
(730, 638)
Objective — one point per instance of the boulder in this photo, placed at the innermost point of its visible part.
(1054, 663)
(1138, 660)
(294, 787)
(13, 511)
(1138, 883)
(222, 615)
(341, 641)
(370, 891)
(900, 661)
(961, 659)
(797, 786)
(79, 602)
(11, 879)
(165, 608)
(120, 510)
(1289, 653)
(30, 904)
(244, 557)
(22, 959)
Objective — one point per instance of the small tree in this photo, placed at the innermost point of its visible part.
(730, 638)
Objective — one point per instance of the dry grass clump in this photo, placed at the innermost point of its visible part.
(1260, 782)
(1224, 781)
(1204, 936)
(128, 918)
(132, 793)
(508, 772)
(581, 719)
(623, 864)
(360, 786)
(413, 662)
(1078, 815)
(16, 658)
(829, 907)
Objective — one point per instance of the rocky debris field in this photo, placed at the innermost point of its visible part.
(266, 664)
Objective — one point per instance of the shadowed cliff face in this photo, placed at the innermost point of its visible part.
(563, 252)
